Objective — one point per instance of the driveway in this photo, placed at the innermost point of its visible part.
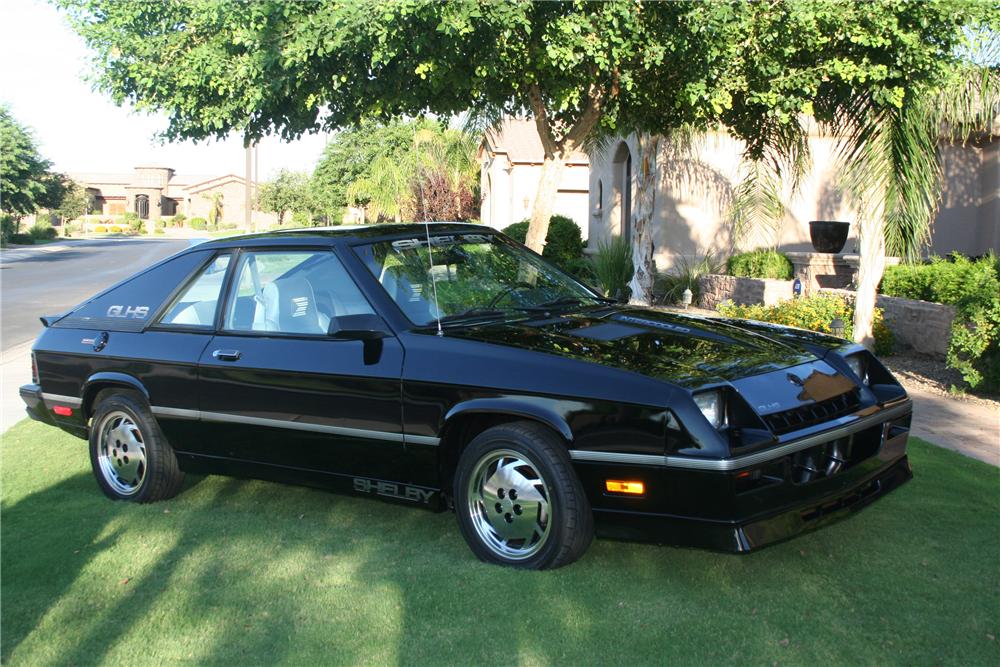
(50, 279)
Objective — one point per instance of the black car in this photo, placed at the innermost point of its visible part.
(449, 367)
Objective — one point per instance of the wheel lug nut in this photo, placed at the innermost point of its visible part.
(513, 494)
(498, 508)
(508, 518)
(517, 510)
(500, 494)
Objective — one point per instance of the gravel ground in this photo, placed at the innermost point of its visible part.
(929, 374)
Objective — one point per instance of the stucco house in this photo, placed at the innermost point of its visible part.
(510, 165)
(154, 192)
(691, 216)
(696, 187)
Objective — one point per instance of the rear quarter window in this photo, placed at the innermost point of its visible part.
(133, 303)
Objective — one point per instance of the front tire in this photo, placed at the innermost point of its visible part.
(519, 502)
(130, 456)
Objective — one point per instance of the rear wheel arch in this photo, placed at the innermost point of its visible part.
(100, 382)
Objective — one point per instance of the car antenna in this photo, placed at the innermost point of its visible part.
(427, 232)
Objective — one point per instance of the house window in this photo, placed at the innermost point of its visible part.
(623, 190)
(142, 206)
(600, 197)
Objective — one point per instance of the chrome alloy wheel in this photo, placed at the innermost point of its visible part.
(121, 453)
(508, 503)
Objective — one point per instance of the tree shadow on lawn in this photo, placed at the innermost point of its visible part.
(254, 572)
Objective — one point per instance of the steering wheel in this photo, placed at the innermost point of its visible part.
(510, 289)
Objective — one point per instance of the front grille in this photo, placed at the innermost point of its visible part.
(808, 415)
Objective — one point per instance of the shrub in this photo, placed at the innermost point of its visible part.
(301, 219)
(132, 222)
(100, 229)
(613, 268)
(178, 220)
(21, 239)
(199, 223)
(115, 229)
(973, 287)
(8, 227)
(814, 313)
(563, 242)
(668, 287)
(760, 264)
(160, 224)
(42, 230)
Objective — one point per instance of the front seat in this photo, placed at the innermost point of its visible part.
(290, 307)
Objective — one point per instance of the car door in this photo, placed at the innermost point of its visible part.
(276, 389)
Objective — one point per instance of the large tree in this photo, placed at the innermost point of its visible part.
(256, 68)
(26, 184)
(287, 192)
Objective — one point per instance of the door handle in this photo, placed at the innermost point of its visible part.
(227, 355)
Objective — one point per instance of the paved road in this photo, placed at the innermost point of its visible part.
(51, 279)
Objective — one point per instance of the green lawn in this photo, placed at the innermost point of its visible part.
(245, 572)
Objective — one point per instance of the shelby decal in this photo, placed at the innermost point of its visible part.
(406, 244)
(392, 490)
(134, 312)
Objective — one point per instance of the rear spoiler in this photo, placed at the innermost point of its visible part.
(49, 320)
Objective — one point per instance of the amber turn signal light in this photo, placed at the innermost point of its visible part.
(621, 486)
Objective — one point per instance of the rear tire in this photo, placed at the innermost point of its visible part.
(519, 502)
(130, 456)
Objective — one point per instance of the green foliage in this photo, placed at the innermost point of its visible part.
(302, 219)
(199, 223)
(76, 202)
(160, 224)
(215, 209)
(760, 264)
(286, 192)
(133, 222)
(42, 230)
(669, 286)
(973, 287)
(612, 268)
(563, 243)
(9, 225)
(178, 220)
(27, 183)
(814, 313)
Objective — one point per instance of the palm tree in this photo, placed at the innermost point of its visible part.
(889, 159)
(385, 192)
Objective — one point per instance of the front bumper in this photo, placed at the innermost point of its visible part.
(717, 509)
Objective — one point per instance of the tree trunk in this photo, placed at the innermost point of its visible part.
(545, 197)
(642, 234)
(872, 241)
(556, 150)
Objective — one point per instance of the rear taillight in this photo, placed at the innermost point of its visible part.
(34, 369)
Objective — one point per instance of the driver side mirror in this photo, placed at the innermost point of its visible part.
(358, 327)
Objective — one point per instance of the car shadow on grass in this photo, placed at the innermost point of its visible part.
(248, 572)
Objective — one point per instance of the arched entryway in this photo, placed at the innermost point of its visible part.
(622, 192)
(142, 206)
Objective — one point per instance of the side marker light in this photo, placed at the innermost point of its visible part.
(621, 486)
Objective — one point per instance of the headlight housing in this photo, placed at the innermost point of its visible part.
(711, 405)
(859, 365)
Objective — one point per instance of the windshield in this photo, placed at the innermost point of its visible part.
(476, 276)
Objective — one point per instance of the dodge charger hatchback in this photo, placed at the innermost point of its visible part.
(449, 367)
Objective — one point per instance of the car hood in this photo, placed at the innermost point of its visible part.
(685, 350)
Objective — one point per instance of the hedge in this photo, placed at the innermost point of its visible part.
(973, 287)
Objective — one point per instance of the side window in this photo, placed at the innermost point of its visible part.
(195, 306)
(293, 292)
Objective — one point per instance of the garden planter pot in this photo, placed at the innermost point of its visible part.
(828, 236)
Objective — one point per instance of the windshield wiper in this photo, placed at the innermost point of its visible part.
(471, 315)
(561, 301)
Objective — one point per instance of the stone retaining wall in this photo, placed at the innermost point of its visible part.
(716, 288)
(919, 325)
